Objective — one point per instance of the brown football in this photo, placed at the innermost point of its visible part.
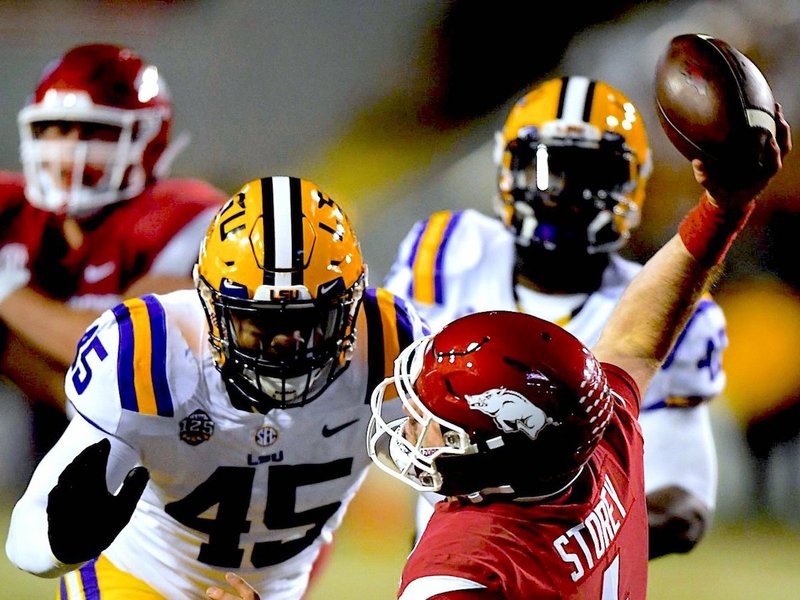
(714, 104)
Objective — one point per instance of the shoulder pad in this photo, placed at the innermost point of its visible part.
(129, 361)
(693, 371)
(392, 324)
(166, 207)
(446, 245)
(12, 191)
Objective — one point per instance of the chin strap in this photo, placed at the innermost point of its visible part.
(241, 400)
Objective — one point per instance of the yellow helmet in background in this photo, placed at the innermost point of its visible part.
(573, 161)
(281, 276)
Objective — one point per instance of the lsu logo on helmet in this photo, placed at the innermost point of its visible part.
(281, 275)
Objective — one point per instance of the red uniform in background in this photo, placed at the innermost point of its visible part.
(93, 219)
(157, 232)
(589, 543)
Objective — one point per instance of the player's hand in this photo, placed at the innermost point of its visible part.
(727, 190)
(83, 517)
(244, 591)
(14, 272)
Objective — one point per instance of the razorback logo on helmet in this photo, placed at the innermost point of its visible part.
(470, 391)
(511, 411)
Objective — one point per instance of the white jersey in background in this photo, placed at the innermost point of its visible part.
(457, 263)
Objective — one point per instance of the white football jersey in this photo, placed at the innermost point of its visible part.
(229, 490)
(456, 263)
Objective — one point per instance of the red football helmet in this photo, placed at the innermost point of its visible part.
(94, 130)
(497, 403)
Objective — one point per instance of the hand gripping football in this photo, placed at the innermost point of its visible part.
(714, 104)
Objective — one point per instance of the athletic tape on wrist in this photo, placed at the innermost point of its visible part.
(708, 230)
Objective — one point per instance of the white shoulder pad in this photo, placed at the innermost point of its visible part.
(693, 370)
(133, 360)
(445, 246)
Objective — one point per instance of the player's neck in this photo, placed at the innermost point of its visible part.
(554, 272)
(73, 233)
(75, 229)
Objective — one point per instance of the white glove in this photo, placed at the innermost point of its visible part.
(14, 272)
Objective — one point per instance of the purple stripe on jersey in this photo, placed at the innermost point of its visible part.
(655, 406)
(375, 368)
(127, 391)
(701, 306)
(88, 575)
(158, 361)
(62, 589)
(438, 292)
(405, 330)
(413, 255)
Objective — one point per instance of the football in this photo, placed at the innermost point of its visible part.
(714, 104)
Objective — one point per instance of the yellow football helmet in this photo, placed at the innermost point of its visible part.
(573, 162)
(281, 276)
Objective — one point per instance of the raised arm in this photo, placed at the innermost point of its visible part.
(660, 299)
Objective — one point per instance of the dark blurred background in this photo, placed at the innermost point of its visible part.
(391, 107)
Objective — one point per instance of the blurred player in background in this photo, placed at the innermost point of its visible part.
(534, 439)
(93, 219)
(573, 161)
(246, 400)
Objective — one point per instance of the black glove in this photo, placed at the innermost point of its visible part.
(83, 518)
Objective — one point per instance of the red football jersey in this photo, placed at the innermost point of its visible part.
(590, 543)
(120, 244)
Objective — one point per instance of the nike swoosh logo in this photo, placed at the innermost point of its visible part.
(327, 287)
(95, 273)
(328, 432)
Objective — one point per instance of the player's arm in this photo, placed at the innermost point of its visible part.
(51, 327)
(67, 514)
(660, 299)
(48, 326)
(653, 309)
(681, 461)
(676, 519)
(33, 373)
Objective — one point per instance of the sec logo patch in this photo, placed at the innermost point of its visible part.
(266, 436)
